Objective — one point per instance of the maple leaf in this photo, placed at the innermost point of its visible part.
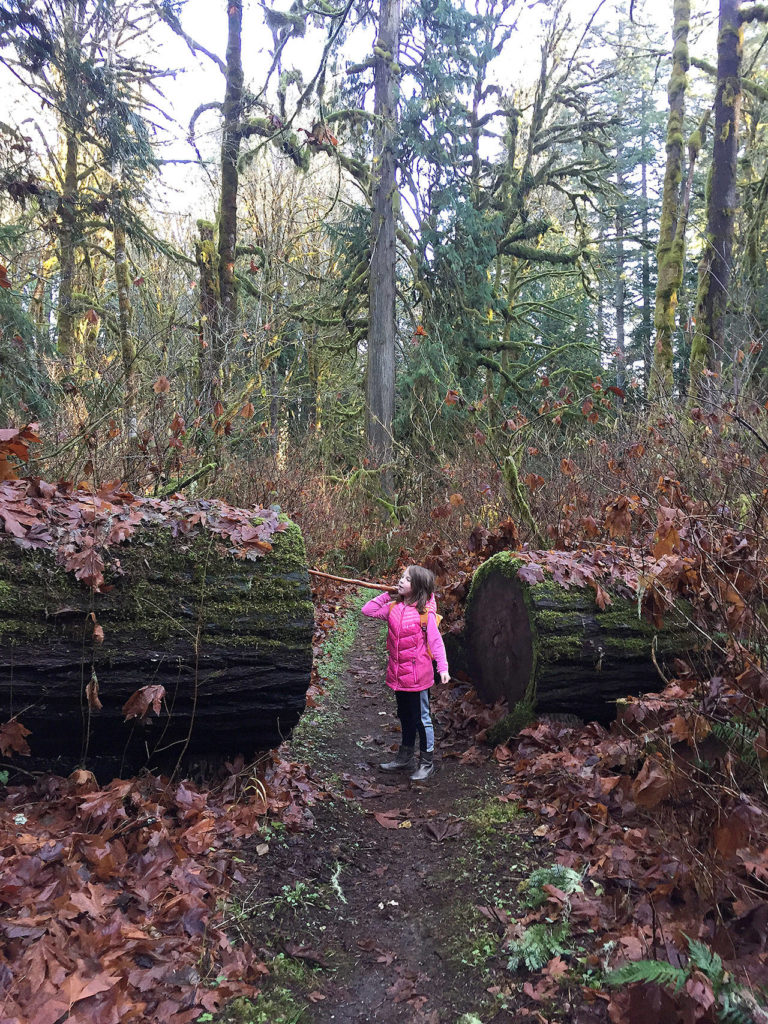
(533, 482)
(178, 426)
(13, 739)
(452, 397)
(652, 785)
(161, 386)
(618, 520)
(531, 573)
(139, 703)
(4, 282)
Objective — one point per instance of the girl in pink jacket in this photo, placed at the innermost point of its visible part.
(410, 674)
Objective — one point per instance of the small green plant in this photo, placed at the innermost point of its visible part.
(4, 778)
(294, 896)
(274, 832)
(490, 816)
(538, 944)
(480, 949)
(731, 998)
(268, 1009)
(565, 879)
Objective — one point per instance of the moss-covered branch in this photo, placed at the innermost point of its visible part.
(753, 88)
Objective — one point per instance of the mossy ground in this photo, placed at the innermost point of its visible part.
(382, 924)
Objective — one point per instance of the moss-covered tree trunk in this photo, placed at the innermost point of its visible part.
(232, 113)
(708, 345)
(671, 231)
(228, 639)
(207, 259)
(380, 380)
(645, 273)
(555, 648)
(65, 317)
(125, 337)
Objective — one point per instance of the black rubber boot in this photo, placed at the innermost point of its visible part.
(403, 762)
(426, 767)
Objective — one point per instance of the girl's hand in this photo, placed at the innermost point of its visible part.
(445, 677)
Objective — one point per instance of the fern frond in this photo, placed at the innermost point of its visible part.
(563, 878)
(739, 737)
(654, 972)
(537, 945)
(706, 960)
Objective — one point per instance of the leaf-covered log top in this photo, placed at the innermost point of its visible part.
(80, 526)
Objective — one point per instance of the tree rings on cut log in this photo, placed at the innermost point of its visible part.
(556, 649)
(220, 648)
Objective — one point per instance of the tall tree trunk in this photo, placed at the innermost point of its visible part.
(38, 315)
(670, 247)
(207, 259)
(380, 382)
(620, 286)
(125, 315)
(65, 318)
(708, 342)
(670, 250)
(230, 151)
(645, 272)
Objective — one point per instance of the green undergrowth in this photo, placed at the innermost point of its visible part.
(487, 872)
(311, 739)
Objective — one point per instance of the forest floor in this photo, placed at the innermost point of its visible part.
(393, 907)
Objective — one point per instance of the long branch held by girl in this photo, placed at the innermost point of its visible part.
(413, 640)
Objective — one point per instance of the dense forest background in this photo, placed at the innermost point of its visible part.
(439, 279)
(440, 265)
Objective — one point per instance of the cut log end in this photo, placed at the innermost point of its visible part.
(555, 649)
(502, 640)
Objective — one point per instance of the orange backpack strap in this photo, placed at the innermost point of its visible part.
(424, 618)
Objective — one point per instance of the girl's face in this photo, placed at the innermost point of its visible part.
(404, 588)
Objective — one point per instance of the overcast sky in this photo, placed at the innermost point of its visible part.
(199, 81)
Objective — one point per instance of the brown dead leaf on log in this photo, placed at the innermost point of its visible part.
(140, 702)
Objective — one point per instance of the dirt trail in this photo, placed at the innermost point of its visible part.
(374, 923)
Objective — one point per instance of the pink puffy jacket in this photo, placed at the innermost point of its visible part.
(409, 666)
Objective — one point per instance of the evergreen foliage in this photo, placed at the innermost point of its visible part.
(731, 1007)
(538, 944)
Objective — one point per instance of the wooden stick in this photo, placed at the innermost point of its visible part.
(356, 583)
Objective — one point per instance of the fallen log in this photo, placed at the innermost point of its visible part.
(555, 649)
(228, 639)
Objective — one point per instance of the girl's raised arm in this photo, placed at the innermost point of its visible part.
(378, 607)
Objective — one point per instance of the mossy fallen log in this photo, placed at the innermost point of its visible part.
(228, 639)
(555, 649)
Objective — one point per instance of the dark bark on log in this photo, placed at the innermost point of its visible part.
(230, 640)
(556, 648)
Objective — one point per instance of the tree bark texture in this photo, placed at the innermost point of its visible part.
(555, 647)
(125, 314)
(207, 259)
(65, 320)
(228, 639)
(230, 151)
(620, 284)
(708, 343)
(646, 329)
(380, 382)
(670, 249)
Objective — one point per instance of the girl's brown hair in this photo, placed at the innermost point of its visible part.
(422, 586)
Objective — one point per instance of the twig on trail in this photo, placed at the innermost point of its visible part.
(356, 583)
